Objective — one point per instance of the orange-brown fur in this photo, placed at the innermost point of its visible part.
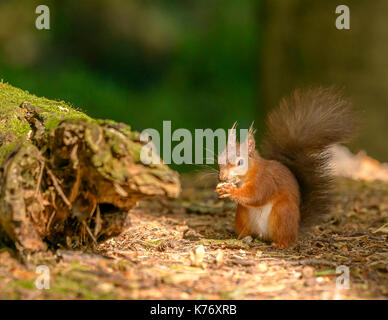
(269, 181)
(295, 176)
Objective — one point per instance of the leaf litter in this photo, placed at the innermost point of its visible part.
(172, 250)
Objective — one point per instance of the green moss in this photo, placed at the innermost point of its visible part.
(7, 148)
(75, 265)
(136, 150)
(13, 123)
(11, 97)
(327, 272)
(154, 242)
(24, 284)
(232, 294)
(78, 282)
(52, 112)
(51, 124)
(80, 285)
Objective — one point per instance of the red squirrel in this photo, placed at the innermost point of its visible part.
(289, 183)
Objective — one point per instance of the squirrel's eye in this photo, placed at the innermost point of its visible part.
(240, 162)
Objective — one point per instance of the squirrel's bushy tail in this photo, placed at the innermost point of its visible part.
(299, 134)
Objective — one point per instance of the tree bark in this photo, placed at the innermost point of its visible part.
(67, 180)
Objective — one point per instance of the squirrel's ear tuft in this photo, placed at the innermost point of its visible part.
(252, 131)
(251, 144)
(251, 140)
(232, 135)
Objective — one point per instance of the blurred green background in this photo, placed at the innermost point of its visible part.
(199, 63)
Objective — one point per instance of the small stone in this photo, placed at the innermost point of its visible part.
(105, 287)
(320, 280)
(197, 255)
(247, 239)
(259, 253)
(308, 271)
(262, 267)
(219, 257)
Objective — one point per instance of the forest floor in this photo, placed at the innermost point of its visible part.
(187, 249)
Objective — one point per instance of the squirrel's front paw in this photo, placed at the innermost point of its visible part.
(224, 189)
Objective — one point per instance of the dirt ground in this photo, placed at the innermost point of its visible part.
(187, 249)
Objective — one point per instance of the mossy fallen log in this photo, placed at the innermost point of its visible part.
(67, 180)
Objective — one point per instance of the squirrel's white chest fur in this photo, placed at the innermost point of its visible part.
(258, 218)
